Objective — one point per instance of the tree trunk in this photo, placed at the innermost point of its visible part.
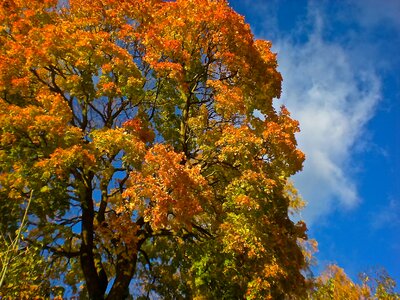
(125, 269)
(96, 284)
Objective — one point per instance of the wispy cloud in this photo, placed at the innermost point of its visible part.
(376, 13)
(333, 97)
(387, 216)
(333, 62)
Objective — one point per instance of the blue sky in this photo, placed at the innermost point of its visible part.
(341, 67)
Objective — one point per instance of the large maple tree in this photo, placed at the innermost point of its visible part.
(144, 134)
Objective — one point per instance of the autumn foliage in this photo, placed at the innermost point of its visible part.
(146, 133)
(334, 283)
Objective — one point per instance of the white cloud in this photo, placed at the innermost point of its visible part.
(333, 98)
(329, 61)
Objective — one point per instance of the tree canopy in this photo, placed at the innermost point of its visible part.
(333, 283)
(144, 136)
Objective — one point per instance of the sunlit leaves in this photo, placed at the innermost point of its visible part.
(334, 283)
(167, 192)
(147, 130)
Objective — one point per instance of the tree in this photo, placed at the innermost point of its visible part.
(333, 283)
(146, 131)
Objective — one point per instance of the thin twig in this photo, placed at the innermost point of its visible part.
(13, 248)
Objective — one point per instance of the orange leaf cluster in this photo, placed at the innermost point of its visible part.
(167, 192)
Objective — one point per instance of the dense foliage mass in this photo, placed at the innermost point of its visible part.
(142, 135)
